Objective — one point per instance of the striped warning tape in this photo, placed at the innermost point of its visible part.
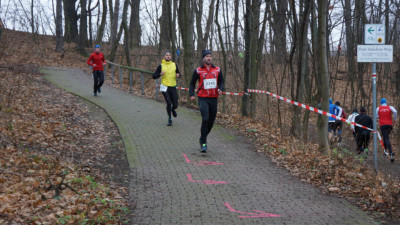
(224, 93)
(314, 110)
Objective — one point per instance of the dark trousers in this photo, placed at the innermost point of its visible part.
(362, 140)
(208, 109)
(386, 129)
(98, 77)
(171, 98)
(355, 136)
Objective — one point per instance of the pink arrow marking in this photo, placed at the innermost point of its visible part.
(201, 163)
(190, 179)
(251, 215)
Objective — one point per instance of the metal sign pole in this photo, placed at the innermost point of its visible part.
(374, 115)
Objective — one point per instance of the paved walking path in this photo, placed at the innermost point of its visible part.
(235, 186)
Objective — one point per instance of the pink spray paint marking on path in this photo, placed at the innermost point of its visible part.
(190, 179)
(251, 215)
(201, 163)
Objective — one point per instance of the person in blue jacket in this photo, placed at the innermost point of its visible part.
(334, 110)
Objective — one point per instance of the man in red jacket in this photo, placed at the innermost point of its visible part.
(97, 61)
(211, 84)
(384, 113)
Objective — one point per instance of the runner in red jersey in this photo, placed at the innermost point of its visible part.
(386, 122)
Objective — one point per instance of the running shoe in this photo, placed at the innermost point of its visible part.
(392, 157)
(204, 148)
(385, 153)
(174, 113)
(169, 122)
(99, 90)
(95, 94)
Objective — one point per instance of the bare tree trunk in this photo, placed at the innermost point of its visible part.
(360, 20)
(100, 31)
(90, 42)
(387, 36)
(324, 73)
(351, 74)
(83, 36)
(32, 18)
(301, 68)
(186, 23)
(198, 6)
(173, 29)
(279, 16)
(1, 28)
(254, 41)
(221, 41)
(71, 21)
(202, 40)
(114, 23)
(116, 44)
(134, 25)
(248, 23)
(235, 27)
(59, 31)
(165, 29)
(124, 24)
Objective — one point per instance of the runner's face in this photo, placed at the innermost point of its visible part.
(97, 50)
(167, 57)
(208, 59)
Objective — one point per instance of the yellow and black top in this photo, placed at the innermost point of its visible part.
(170, 69)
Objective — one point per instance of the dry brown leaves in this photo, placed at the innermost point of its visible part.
(42, 131)
(336, 173)
(25, 196)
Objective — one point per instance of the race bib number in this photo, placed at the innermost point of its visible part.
(210, 83)
(163, 88)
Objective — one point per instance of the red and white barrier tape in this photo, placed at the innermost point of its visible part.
(224, 93)
(314, 110)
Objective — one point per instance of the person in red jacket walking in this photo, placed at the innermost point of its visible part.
(386, 122)
(97, 61)
(211, 84)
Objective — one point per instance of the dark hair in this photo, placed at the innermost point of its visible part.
(167, 51)
(355, 110)
(362, 109)
(337, 103)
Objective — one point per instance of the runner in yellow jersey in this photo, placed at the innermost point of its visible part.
(168, 71)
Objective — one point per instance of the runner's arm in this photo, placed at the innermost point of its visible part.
(104, 61)
(352, 118)
(157, 73)
(221, 81)
(377, 113)
(356, 120)
(89, 62)
(394, 112)
(340, 111)
(177, 71)
(370, 123)
(192, 85)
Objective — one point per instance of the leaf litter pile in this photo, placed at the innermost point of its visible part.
(56, 162)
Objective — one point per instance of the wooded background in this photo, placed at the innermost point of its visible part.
(304, 49)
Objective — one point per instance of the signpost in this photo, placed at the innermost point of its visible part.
(374, 51)
(374, 34)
